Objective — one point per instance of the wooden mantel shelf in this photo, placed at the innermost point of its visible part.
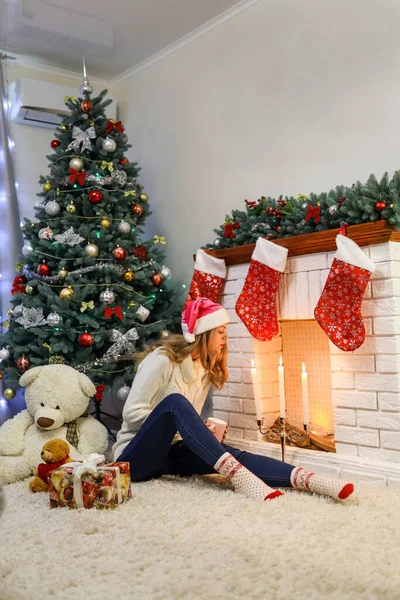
(320, 241)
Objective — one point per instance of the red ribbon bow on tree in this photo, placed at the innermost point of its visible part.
(114, 125)
(19, 284)
(99, 392)
(229, 229)
(117, 311)
(313, 212)
(76, 175)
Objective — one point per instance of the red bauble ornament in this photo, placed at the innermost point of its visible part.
(86, 339)
(123, 161)
(119, 253)
(95, 196)
(140, 252)
(43, 270)
(157, 279)
(54, 144)
(137, 209)
(86, 105)
(23, 363)
(380, 206)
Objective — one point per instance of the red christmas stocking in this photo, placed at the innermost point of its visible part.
(256, 305)
(338, 311)
(208, 277)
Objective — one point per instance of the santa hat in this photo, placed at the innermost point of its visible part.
(202, 315)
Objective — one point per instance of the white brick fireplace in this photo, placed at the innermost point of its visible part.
(365, 388)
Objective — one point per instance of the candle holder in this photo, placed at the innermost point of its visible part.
(283, 432)
(277, 432)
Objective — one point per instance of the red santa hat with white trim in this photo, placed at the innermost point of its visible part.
(202, 315)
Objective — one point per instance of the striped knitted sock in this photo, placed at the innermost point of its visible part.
(244, 481)
(321, 484)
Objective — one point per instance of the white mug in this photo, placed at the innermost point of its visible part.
(219, 429)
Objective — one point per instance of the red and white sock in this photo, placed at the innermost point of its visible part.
(244, 481)
(338, 311)
(208, 277)
(256, 305)
(321, 484)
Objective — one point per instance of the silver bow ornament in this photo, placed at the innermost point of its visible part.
(123, 343)
(81, 137)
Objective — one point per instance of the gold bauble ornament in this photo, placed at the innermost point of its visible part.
(29, 289)
(9, 393)
(106, 223)
(92, 250)
(66, 293)
(129, 276)
(143, 197)
(71, 208)
(10, 312)
(62, 273)
(47, 186)
(56, 360)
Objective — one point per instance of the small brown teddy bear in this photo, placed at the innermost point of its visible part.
(54, 453)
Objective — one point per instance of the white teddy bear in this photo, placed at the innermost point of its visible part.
(56, 397)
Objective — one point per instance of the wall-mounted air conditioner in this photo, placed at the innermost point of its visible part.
(41, 104)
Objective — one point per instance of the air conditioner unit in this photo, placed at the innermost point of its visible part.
(41, 104)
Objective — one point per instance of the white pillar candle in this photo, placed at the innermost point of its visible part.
(282, 403)
(256, 391)
(304, 395)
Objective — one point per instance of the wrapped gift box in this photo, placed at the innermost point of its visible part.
(91, 483)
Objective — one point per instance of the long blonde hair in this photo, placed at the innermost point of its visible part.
(177, 349)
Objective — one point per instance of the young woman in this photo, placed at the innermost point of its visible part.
(162, 432)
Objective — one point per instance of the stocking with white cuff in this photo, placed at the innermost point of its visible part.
(256, 305)
(321, 484)
(208, 277)
(244, 481)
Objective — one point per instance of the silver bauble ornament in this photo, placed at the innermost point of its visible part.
(332, 209)
(27, 249)
(92, 250)
(85, 116)
(217, 243)
(53, 319)
(165, 272)
(109, 145)
(18, 310)
(124, 227)
(4, 354)
(108, 296)
(76, 163)
(52, 208)
(86, 87)
(123, 393)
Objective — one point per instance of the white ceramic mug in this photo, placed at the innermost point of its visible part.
(220, 427)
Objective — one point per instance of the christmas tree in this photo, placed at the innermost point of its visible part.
(88, 291)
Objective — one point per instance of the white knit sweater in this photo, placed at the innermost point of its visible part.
(156, 378)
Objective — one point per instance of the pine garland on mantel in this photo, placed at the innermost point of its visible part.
(282, 217)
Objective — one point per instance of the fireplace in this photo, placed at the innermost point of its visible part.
(354, 396)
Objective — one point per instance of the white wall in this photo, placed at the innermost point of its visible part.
(32, 144)
(290, 96)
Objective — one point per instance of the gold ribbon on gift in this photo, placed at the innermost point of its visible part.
(130, 193)
(90, 465)
(161, 239)
(70, 99)
(107, 165)
(45, 345)
(86, 305)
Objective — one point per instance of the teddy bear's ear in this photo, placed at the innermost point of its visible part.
(86, 385)
(29, 376)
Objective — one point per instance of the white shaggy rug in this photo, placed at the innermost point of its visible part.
(196, 539)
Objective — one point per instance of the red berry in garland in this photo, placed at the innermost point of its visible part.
(86, 340)
(95, 196)
(54, 144)
(380, 206)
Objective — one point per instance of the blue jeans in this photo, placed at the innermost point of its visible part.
(151, 455)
